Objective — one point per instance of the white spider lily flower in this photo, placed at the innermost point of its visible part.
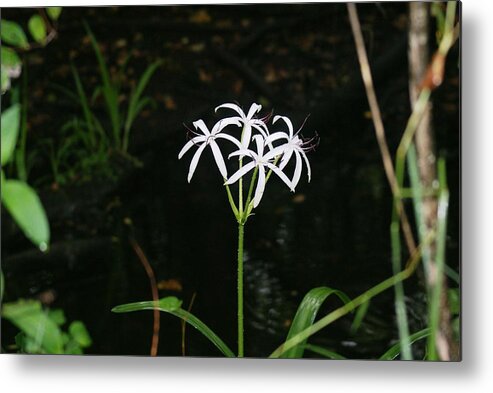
(209, 139)
(294, 145)
(248, 122)
(262, 160)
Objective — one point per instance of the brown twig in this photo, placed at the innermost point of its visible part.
(155, 295)
(184, 325)
(378, 124)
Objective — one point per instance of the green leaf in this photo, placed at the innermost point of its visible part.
(11, 67)
(57, 316)
(358, 318)
(454, 301)
(324, 352)
(395, 350)
(172, 305)
(24, 205)
(10, 129)
(79, 333)
(13, 34)
(54, 12)
(34, 322)
(305, 316)
(37, 28)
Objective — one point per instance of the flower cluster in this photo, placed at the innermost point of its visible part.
(270, 152)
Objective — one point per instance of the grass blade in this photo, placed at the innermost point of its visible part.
(172, 305)
(324, 352)
(395, 350)
(358, 318)
(306, 313)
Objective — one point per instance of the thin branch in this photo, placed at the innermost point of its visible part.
(155, 295)
(378, 124)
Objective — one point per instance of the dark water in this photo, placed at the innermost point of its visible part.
(333, 232)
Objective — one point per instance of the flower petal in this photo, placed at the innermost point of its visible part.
(229, 138)
(309, 170)
(259, 190)
(259, 142)
(254, 108)
(276, 136)
(276, 151)
(288, 123)
(285, 158)
(240, 172)
(246, 135)
(219, 159)
(281, 174)
(297, 170)
(190, 143)
(223, 123)
(260, 126)
(199, 124)
(234, 107)
(195, 161)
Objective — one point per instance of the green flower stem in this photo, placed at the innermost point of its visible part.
(240, 290)
(231, 201)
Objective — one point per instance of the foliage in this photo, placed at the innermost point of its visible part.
(41, 329)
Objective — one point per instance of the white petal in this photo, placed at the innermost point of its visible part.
(259, 190)
(260, 126)
(229, 138)
(285, 158)
(288, 123)
(281, 174)
(246, 135)
(240, 172)
(309, 170)
(223, 123)
(276, 136)
(199, 124)
(219, 159)
(195, 160)
(254, 108)
(234, 107)
(259, 141)
(277, 151)
(297, 170)
(190, 143)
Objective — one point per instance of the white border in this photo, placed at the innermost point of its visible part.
(131, 374)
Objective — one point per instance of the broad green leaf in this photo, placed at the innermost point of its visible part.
(37, 28)
(10, 58)
(11, 67)
(10, 129)
(34, 322)
(57, 316)
(13, 34)
(395, 350)
(324, 352)
(305, 316)
(172, 305)
(24, 205)
(454, 301)
(54, 12)
(79, 333)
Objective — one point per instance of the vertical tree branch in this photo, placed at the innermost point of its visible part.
(418, 56)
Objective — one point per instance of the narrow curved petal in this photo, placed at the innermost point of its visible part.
(200, 125)
(254, 108)
(235, 107)
(276, 136)
(240, 172)
(219, 159)
(223, 123)
(246, 135)
(259, 142)
(281, 174)
(259, 190)
(288, 123)
(297, 170)
(309, 170)
(195, 161)
(285, 158)
(276, 151)
(245, 152)
(229, 138)
(260, 126)
(190, 143)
